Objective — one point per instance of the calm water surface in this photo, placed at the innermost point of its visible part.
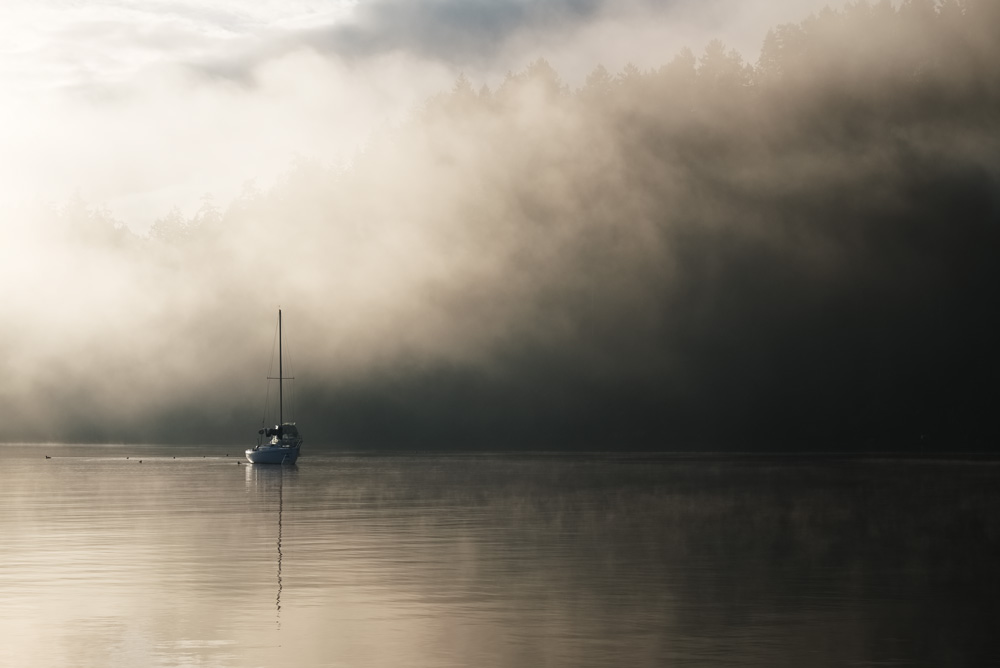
(495, 560)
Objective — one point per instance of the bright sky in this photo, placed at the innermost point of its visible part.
(53, 43)
(103, 99)
(142, 105)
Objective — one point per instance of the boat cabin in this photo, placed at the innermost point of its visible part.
(286, 430)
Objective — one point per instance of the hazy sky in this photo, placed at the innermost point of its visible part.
(141, 106)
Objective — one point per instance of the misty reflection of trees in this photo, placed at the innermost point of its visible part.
(805, 245)
(752, 561)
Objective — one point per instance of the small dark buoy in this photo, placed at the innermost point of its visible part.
(140, 461)
(227, 454)
(126, 458)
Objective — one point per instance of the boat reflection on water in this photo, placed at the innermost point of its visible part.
(268, 483)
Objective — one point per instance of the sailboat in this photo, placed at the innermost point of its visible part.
(278, 444)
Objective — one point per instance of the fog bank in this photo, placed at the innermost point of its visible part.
(797, 253)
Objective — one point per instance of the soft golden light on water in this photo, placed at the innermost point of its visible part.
(491, 560)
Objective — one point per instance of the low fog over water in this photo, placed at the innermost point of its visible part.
(686, 248)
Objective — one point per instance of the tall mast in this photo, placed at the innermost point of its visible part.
(281, 376)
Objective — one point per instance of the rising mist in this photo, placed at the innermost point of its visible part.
(797, 253)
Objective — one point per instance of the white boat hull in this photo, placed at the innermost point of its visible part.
(273, 454)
